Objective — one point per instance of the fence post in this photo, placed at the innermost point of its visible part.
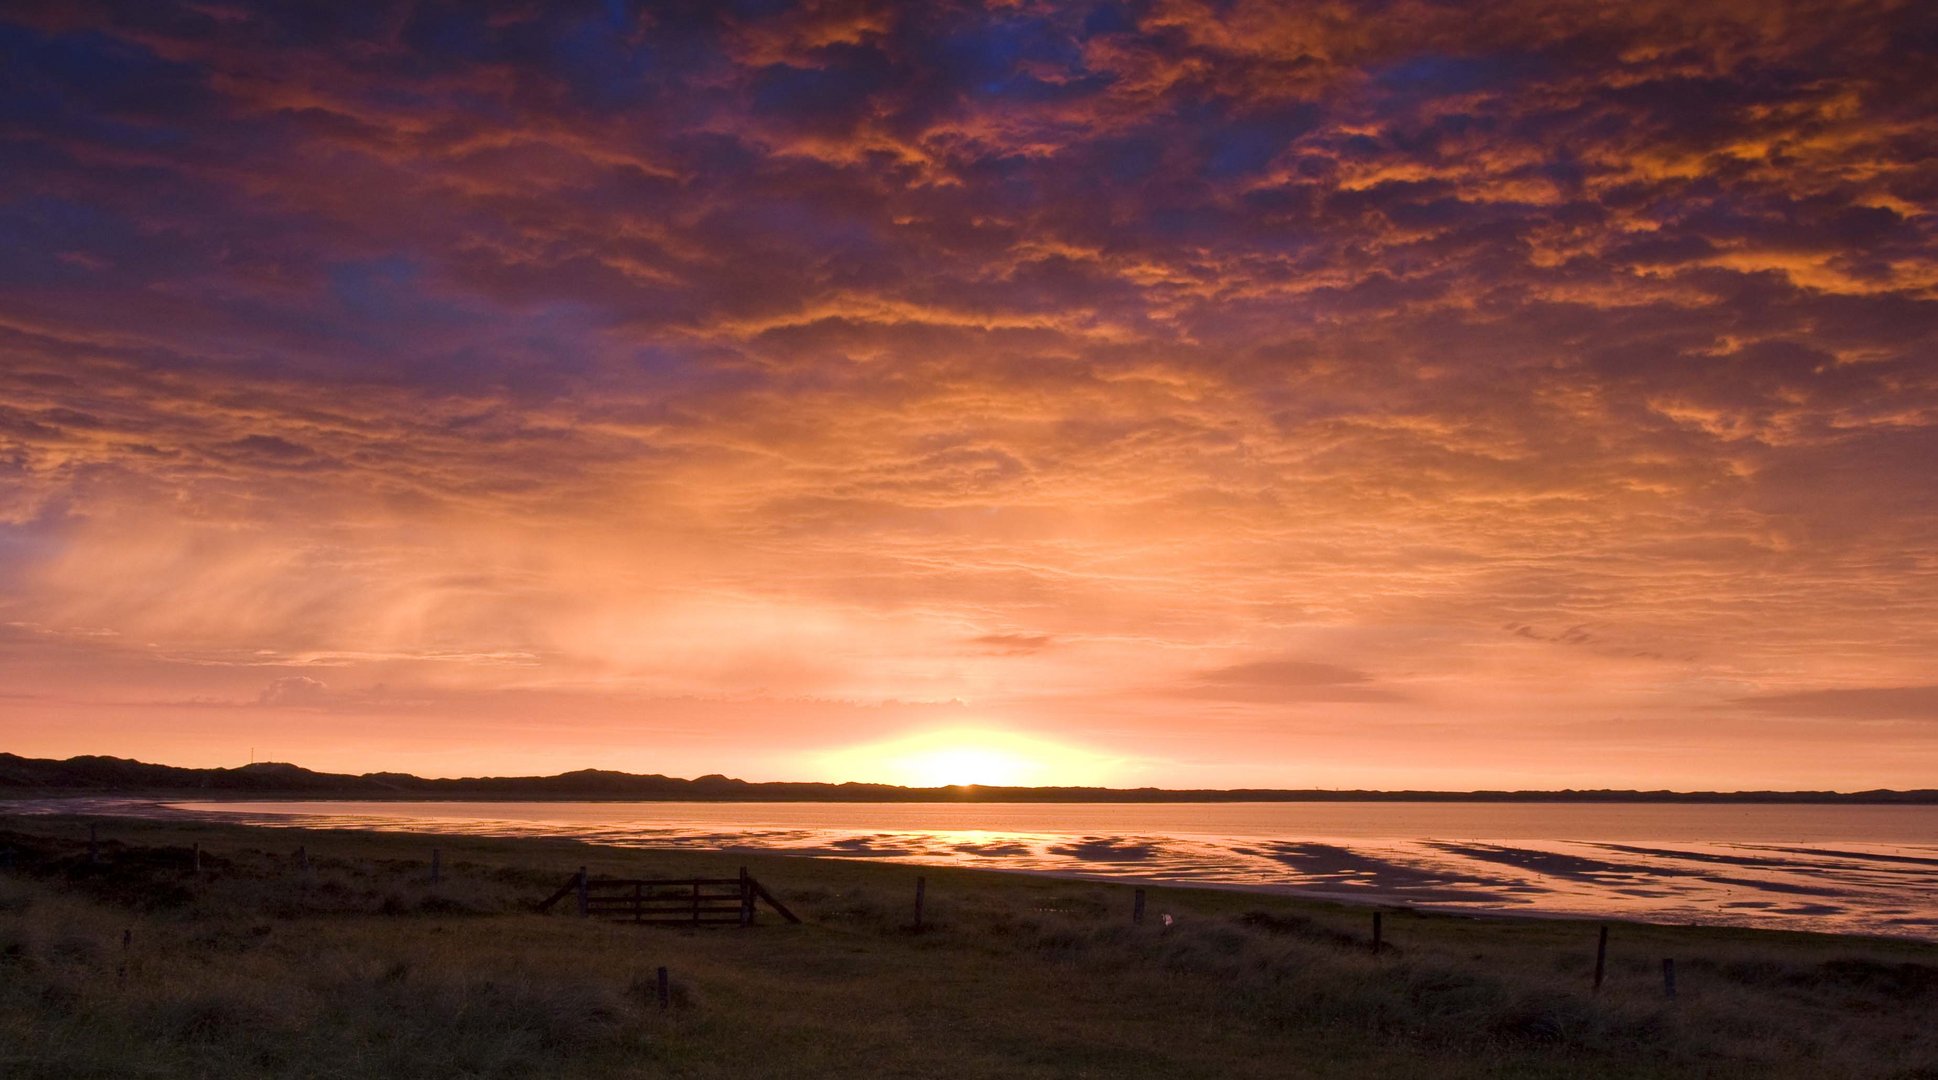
(1376, 933)
(1601, 957)
(437, 865)
(921, 887)
(746, 899)
(303, 858)
(1137, 907)
(665, 990)
(584, 893)
(1669, 978)
(197, 857)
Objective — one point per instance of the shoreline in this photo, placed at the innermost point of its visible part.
(1005, 797)
(1373, 895)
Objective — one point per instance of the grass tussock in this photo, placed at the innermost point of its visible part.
(346, 960)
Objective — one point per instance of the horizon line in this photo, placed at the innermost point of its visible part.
(958, 790)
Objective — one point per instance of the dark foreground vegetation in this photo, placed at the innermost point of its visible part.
(347, 961)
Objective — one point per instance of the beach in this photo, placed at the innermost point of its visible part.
(311, 952)
(1838, 869)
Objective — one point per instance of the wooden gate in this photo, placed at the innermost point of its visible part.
(669, 901)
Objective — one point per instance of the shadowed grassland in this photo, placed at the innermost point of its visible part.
(358, 966)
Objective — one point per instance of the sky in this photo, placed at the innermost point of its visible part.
(1348, 394)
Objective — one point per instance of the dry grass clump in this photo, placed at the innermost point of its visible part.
(852, 907)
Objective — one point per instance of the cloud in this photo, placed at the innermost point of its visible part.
(1578, 634)
(1012, 644)
(294, 690)
(1851, 703)
(705, 352)
(1267, 681)
(1284, 673)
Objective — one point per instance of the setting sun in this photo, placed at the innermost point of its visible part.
(959, 757)
(964, 765)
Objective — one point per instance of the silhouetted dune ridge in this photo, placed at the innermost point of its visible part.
(101, 773)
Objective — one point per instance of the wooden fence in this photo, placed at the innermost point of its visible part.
(669, 901)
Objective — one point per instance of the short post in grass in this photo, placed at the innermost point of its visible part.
(303, 858)
(1669, 978)
(585, 894)
(1137, 907)
(921, 889)
(1601, 957)
(195, 857)
(1376, 933)
(746, 898)
(93, 845)
(665, 990)
(437, 866)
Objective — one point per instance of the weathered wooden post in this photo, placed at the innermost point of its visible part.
(437, 865)
(1601, 957)
(665, 990)
(1137, 907)
(196, 857)
(921, 887)
(93, 845)
(1669, 978)
(746, 899)
(303, 858)
(585, 894)
(1376, 933)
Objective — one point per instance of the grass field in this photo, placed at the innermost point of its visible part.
(136, 965)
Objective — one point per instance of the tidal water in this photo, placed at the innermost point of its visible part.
(1843, 869)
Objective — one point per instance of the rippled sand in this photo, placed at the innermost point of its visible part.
(1882, 879)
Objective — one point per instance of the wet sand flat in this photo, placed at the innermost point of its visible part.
(1871, 874)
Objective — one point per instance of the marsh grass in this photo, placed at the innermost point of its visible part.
(359, 967)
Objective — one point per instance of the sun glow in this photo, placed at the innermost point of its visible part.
(974, 756)
(963, 765)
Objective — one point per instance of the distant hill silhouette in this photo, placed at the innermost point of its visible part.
(20, 775)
